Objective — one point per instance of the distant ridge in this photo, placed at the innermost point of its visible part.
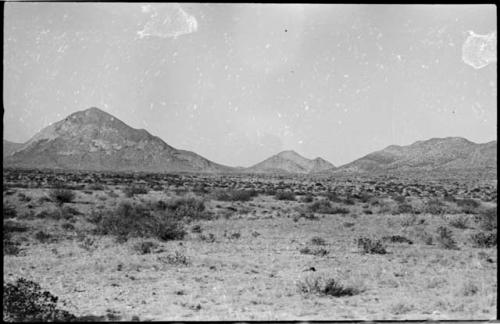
(95, 140)
(450, 153)
(290, 162)
(10, 147)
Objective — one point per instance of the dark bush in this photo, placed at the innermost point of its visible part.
(317, 251)
(44, 237)
(11, 226)
(488, 219)
(403, 208)
(460, 222)
(325, 287)
(325, 207)
(129, 220)
(284, 195)
(333, 196)
(371, 247)
(435, 207)
(234, 195)
(484, 240)
(445, 238)
(9, 211)
(135, 190)
(468, 206)
(307, 198)
(61, 196)
(24, 301)
(397, 239)
(146, 247)
(10, 247)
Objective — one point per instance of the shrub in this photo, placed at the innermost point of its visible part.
(61, 196)
(9, 211)
(307, 198)
(468, 206)
(145, 247)
(371, 247)
(325, 207)
(10, 226)
(488, 219)
(209, 239)
(234, 195)
(403, 208)
(333, 196)
(187, 208)
(196, 229)
(129, 220)
(284, 195)
(24, 301)
(483, 240)
(317, 251)
(175, 259)
(95, 186)
(135, 190)
(44, 237)
(435, 207)
(325, 287)
(445, 238)
(318, 241)
(397, 239)
(460, 222)
(10, 247)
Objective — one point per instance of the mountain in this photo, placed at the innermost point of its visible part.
(290, 162)
(10, 147)
(95, 140)
(450, 153)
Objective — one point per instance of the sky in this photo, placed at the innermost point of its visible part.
(237, 83)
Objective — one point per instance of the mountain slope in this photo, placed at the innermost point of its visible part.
(95, 140)
(10, 147)
(290, 162)
(437, 153)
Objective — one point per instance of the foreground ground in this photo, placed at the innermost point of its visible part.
(259, 257)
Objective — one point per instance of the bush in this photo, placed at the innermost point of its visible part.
(9, 211)
(234, 195)
(44, 237)
(317, 252)
(10, 247)
(187, 208)
(325, 207)
(307, 198)
(371, 247)
(145, 247)
(61, 196)
(403, 208)
(468, 206)
(318, 241)
(24, 301)
(483, 240)
(175, 259)
(435, 207)
(333, 197)
(129, 220)
(284, 195)
(460, 222)
(397, 239)
(135, 190)
(325, 287)
(445, 238)
(488, 219)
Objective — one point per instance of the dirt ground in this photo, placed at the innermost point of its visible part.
(252, 267)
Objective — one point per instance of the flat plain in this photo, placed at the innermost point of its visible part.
(123, 246)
